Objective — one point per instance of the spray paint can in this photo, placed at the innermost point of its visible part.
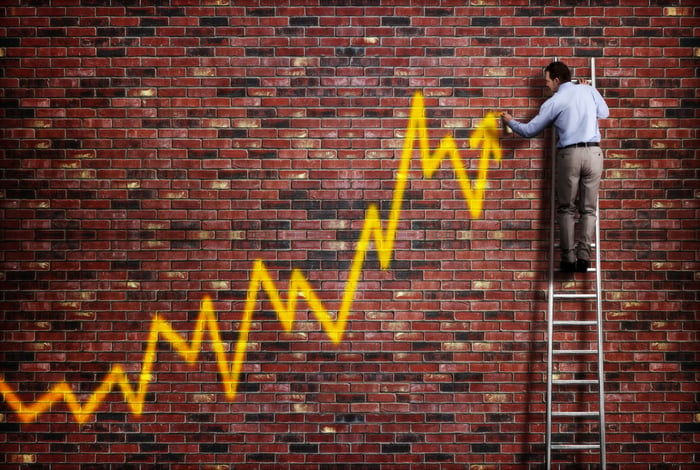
(506, 128)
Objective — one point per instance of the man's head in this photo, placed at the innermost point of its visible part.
(555, 74)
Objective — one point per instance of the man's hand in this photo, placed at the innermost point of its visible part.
(505, 119)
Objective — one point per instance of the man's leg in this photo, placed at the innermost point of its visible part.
(592, 169)
(567, 183)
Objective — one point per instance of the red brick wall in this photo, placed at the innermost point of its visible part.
(155, 155)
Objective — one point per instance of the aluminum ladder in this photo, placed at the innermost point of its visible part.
(572, 325)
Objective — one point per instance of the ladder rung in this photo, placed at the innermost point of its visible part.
(576, 413)
(574, 296)
(575, 351)
(574, 381)
(557, 245)
(574, 322)
(575, 446)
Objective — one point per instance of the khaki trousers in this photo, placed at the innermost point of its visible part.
(578, 172)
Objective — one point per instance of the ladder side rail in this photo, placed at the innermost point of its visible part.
(550, 301)
(601, 361)
(599, 315)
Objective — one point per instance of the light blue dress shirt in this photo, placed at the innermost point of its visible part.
(574, 110)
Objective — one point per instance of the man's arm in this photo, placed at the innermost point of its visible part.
(534, 127)
(602, 110)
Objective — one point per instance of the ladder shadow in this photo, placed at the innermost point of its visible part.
(532, 423)
(534, 445)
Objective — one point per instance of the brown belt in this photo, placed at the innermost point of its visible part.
(583, 144)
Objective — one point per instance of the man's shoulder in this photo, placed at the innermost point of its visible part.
(564, 94)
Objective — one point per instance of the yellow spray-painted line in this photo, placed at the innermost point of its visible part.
(484, 137)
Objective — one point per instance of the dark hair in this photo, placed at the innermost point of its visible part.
(559, 70)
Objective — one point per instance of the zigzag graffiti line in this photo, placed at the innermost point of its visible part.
(485, 136)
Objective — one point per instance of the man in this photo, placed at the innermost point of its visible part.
(574, 110)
